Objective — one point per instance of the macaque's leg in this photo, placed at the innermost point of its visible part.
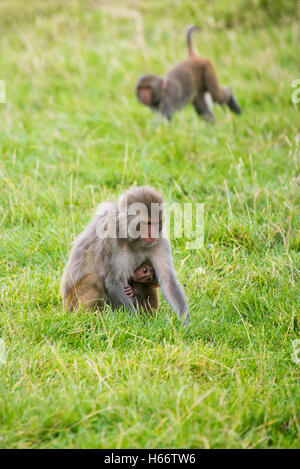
(220, 95)
(146, 297)
(232, 103)
(173, 292)
(165, 108)
(151, 302)
(117, 295)
(89, 293)
(202, 107)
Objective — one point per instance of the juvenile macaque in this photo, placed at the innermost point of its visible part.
(187, 82)
(143, 287)
(121, 237)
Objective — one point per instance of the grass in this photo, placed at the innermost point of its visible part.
(225, 380)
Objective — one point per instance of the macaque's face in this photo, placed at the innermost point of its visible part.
(150, 231)
(141, 218)
(147, 89)
(143, 230)
(145, 94)
(144, 274)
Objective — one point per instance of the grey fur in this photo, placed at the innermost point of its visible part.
(115, 260)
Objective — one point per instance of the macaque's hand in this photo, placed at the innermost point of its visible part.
(128, 291)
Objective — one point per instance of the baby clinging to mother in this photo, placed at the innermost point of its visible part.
(107, 256)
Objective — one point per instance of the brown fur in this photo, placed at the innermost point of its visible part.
(144, 288)
(90, 292)
(146, 297)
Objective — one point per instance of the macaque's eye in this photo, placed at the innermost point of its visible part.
(145, 270)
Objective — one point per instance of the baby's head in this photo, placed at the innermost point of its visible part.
(145, 274)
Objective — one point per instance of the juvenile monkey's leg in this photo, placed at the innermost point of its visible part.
(149, 302)
(146, 297)
(202, 107)
(220, 94)
(165, 108)
(232, 103)
(89, 293)
(152, 302)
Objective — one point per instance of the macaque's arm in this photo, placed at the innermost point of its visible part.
(165, 108)
(151, 302)
(173, 292)
(116, 293)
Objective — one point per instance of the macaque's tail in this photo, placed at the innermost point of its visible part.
(189, 31)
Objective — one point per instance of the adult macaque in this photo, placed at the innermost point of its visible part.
(121, 237)
(189, 81)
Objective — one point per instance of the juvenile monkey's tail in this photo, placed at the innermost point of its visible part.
(189, 31)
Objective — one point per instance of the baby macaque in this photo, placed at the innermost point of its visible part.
(143, 288)
(187, 82)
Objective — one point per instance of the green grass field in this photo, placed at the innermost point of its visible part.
(73, 134)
